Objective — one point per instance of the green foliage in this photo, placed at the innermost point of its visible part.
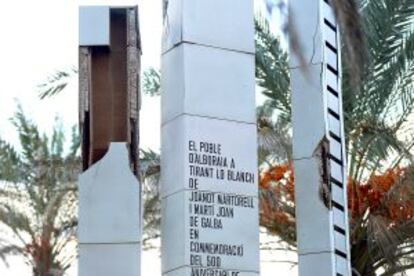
(150, 176)
(152, 82)
(272, 76)
(56, 82)
(274, 137)
(38, 198)
(377, 114)
(272, 71)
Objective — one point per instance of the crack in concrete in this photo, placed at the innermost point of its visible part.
(303, 158)
(317, 253)
(206, 117)
(314, 39)
(301, 67)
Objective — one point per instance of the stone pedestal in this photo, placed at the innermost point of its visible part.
(209, 160)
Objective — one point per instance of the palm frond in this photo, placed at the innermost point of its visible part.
(56, 82)
(150, 170)
(75, 142)
(58, 139)
(30, 139)
(386, 27)
(383, 241)
(10, 250)
(272, 73)
(17, 221)
(274, 137)
(11, 164)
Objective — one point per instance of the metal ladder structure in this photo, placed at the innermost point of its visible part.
(319, 142)
(336, 137)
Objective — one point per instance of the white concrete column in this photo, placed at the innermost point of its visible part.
(209, 160)
(109, 217)
(318, 143)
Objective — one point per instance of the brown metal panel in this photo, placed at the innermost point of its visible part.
(100, 104)
(109, 100)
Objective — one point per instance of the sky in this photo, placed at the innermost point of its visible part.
(39, 37)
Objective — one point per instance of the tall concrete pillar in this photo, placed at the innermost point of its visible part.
(209, 161)
(318, 143)
(110, 217)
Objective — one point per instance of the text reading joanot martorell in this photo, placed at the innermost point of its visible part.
(211, 210)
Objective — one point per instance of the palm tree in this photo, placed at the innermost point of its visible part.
(376, 115)
(38, 197)
(150, 166)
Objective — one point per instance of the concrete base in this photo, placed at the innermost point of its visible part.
(109, 259)
(110, 217)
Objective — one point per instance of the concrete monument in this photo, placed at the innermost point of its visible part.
(318, 143)
(209, 160)
(110, 217)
